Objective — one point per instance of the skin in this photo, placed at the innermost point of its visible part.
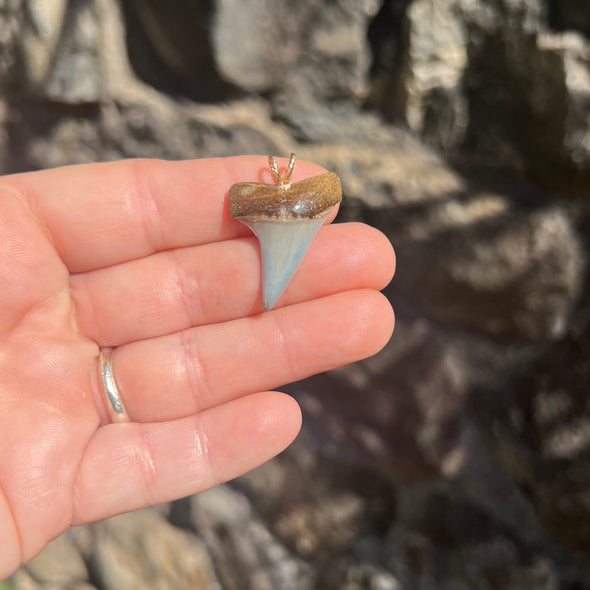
(143, 255)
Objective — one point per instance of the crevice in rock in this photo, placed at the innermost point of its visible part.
(504, 125)
(569, 15)
(95, 576)
(385, 35)
(169, 48)
(180, 514)
(384, 32)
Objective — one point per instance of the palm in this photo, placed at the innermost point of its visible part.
(144, 256)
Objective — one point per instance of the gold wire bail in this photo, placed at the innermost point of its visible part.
(286, 181)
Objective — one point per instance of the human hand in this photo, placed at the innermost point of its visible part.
(144, 256)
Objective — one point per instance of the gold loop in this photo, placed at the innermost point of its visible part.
(274, 169)
(108, 386)
(286, 181)
(291, 166)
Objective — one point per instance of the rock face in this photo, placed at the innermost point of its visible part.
(459, 457)
(494, 79)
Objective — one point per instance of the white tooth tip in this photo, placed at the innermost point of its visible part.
(283, 245)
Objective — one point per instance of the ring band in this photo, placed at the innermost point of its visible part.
(112, 399)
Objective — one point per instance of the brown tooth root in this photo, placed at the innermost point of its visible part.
(304, 199)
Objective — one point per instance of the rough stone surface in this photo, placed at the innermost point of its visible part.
(261, 46)
(459, 457)
(75, 75)
(436, 61)
(508, 274)
(40, 27)
(143, 550)
(537, 426)
(492, 80)
(245, 552)
(10, 26)
(60, 564)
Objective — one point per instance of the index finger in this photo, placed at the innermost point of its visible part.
(103, 214)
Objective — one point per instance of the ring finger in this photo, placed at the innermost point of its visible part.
(184, 373)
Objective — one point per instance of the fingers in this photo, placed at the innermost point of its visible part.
(103, 214)
(185, 373)
(29, 269)
(130, 466)
(174, 290)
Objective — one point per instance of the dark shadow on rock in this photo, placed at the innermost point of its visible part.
(569, 15)
(387, 41)
(537, 424)
(169, 47)
(31, 119)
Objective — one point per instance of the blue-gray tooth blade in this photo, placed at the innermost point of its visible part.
(283, 245)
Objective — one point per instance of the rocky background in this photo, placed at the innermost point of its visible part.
(459, 458)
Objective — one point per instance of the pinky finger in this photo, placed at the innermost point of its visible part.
(131, 466)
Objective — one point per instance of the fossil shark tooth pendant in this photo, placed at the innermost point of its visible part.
(285, 218)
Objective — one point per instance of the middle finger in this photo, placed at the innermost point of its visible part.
(177, 289)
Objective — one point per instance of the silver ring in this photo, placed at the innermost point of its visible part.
(112, 400)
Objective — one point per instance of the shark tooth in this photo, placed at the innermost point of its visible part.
(285, 218)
